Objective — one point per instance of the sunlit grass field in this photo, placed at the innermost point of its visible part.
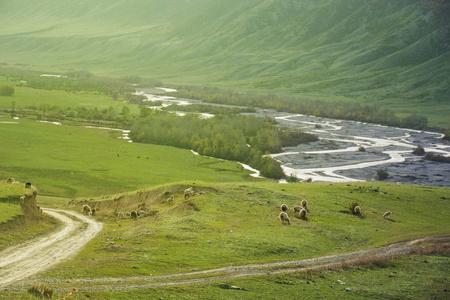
(75, 161)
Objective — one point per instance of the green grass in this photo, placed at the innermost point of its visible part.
(8, 211)
(74, 161)
(238, 224)
(9, 201)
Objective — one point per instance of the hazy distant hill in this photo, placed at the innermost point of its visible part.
(358, 47)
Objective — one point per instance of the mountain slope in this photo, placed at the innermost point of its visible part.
(382, 48)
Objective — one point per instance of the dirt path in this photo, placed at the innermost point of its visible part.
(230, 273)
(39, 254)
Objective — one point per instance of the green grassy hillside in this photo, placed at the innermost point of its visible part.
(387, 51)
(237, 224)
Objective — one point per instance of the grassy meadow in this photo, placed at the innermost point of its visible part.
(75, 161)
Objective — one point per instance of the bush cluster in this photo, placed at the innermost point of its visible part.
(6, 90)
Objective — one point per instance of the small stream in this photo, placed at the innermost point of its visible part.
(335, 157)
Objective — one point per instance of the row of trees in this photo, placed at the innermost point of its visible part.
(247, 139)
(56, 112)
(346, 110)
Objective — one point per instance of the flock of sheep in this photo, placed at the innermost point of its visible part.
(301, 211)
(140, 213)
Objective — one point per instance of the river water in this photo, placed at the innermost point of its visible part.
(335, 157)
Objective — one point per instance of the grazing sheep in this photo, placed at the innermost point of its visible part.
(303, 214)
(87, 209)
(357, 210)
(305, 204)
(119, 215)
(141, 214)
(10, 180)
(387, 214)
(297, 209)
(188, 193)
(170, 200)
(284, 218)
(284, 207)
(133, 215)
(22, 199)
(128, 214)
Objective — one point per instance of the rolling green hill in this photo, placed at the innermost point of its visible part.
(393, 52)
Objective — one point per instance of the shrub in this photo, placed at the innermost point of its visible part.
(41, 290)
(446, 135)
(351, 206)
(382, 174)
(6, 90)
(437, 158)
(361, 149)
(419, 151)
(292, 178)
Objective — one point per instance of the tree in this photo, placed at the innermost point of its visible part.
(6, 90)
(125, 110)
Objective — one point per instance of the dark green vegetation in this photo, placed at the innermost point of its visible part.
(240, 138)
(6, 90)
(337, 109)
(393, 54)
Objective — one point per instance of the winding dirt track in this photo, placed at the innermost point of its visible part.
(35, 256)
(39, 254)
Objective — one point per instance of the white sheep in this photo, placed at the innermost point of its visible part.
(128, 214)
(297, 209)
(284, 207)
(170, 200)
(120, 215)
(188, 193)
(87, 209)
(284, 218)
(22, 199)
(357, 210)
(305, 204)
(387, 214)
(10, 180)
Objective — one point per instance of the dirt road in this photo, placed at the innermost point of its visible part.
(39, 254)
(35, 256)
